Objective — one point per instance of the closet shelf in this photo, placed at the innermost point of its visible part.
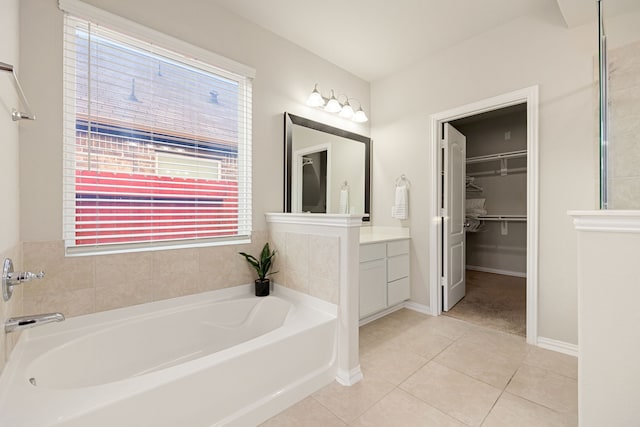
(503, 158)
(497, 156)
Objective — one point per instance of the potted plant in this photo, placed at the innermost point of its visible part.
(262, 267)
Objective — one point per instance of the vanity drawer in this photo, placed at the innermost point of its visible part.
(373, 251)
(398, 291)
(397, 267)
(399, 247)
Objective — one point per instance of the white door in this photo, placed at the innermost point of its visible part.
(453, 242)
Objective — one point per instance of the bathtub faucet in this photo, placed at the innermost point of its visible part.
(24, 322)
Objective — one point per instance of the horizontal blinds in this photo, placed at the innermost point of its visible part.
(157, 146)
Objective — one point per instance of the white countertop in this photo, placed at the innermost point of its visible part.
(373, 234)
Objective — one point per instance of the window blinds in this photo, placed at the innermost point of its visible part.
(157, 145)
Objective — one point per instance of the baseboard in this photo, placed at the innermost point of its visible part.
(378, 315)
(559, 346)
(420, 308)
(349, 378)
(496, 271)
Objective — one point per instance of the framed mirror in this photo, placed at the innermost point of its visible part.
(327, 169)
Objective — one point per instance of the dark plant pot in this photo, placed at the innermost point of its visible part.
(262, 287)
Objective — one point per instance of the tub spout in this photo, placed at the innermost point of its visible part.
(24, 322)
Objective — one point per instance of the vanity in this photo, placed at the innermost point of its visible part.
(384, 270)
(328, 171)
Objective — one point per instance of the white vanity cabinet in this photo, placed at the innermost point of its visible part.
(384, 275)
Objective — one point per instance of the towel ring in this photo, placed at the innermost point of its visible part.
(403, 180)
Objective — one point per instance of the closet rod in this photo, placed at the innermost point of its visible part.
(490, 157)
(496, 172)
(15, 114)
(513, 218)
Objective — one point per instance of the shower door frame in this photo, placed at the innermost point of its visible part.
(528, 96)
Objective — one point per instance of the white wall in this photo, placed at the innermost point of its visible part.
(9, 132)
(285, 76)
(609, 288)
(531, 50)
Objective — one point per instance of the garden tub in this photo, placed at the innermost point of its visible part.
(217, 358)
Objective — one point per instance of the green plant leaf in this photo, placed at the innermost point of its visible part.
(262, 265)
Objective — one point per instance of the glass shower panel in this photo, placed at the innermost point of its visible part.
(619, 116)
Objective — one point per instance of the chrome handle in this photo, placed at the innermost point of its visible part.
(24, 276)
(11, 279)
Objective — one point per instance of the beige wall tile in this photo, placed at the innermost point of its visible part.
(120, 295)
(70, 303)
(324, 257)
(61, 273)
(122, 269)
(322, 288)
(297, 252)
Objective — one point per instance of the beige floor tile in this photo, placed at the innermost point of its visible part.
(458, 395)
(512, 411)
(546, 388)
(348, 403)
(308, 412)
(391, 364)
(509, 345)
(483, 363)
(449, 327)
(421, 340)
(399, 408)
(553, 361)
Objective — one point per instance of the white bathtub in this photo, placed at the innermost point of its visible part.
(217, 358)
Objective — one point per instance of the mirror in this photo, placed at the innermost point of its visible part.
(327, 169)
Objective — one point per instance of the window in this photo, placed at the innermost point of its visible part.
(157, 145)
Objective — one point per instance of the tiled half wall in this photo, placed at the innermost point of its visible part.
(88, 284)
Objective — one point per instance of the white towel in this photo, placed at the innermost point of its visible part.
(344, 201)
(400, 208)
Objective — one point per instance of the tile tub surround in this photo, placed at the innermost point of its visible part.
(624, 129)
(307, 263)
(308, 242)
(407, 381)
(87, 284)
(11, 308)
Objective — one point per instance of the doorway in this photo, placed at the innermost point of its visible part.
(311, 172)
(447, 249)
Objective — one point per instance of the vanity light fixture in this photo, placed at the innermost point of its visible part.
(333, 105)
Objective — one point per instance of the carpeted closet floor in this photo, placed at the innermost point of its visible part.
(494, 301)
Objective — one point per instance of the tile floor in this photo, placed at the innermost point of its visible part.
(422, 371)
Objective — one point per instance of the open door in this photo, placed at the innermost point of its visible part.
(454, 149)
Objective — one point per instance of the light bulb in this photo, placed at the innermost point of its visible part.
(315, 98)
(347, 111)
(333, 106)
(360, 116)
